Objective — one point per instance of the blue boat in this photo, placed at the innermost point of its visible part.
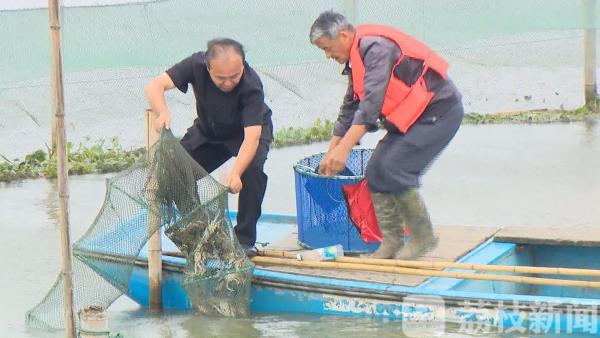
(475, 305)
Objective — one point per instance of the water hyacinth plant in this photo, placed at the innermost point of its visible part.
(321, 130)
(84, 159)
(103, 158)
(532, 116)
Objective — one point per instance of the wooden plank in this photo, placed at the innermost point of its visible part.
(455, 242)
(366, 276)
(576, 236)
(288, 243)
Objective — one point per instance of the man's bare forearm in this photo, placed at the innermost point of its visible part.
(247, 149)
(353, 136)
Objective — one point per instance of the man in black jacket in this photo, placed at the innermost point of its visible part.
(233, 120)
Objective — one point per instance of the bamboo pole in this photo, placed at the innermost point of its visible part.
(62, 167)
(424, 272)
(430, 265)
(154, 244)
(589, 42)
(55, 36)
(449, 265)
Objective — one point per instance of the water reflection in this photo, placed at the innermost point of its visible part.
(498, 175)
(209, 326)
(50, 201)
(590, 128)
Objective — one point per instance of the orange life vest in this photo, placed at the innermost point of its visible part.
(402, 104)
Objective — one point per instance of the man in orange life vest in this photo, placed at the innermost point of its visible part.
(399, 80)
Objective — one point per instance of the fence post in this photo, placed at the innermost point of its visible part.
(154, 244)
(59, 144)
(589, 42)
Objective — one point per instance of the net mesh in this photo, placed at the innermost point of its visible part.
(165, 189)
(504, 55)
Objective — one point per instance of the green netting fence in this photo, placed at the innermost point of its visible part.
(504, 55)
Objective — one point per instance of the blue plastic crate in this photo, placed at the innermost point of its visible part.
(321, 208)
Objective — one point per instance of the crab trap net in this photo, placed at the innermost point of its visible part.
(165, 191)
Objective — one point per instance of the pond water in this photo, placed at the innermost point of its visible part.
(496, 175)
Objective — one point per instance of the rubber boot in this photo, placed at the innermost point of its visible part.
(390, 224)
(421, 238)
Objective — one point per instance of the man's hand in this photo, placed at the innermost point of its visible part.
(244, 157)
(163, 120)
(335, 140)
(339, 149)
(235, 183)
(323, 165)
(334, 161)
(155, 92)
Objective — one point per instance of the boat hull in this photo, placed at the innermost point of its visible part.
(472, 304)
(276, 292)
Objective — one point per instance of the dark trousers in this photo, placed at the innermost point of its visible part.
(399, 160)
(254, 183)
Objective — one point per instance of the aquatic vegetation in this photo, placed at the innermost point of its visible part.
(102, 158)
(532, 116)
(321, 130)
(84, 159)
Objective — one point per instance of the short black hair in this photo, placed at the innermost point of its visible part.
(216, 46)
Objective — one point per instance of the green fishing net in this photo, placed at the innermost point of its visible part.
(166, 189)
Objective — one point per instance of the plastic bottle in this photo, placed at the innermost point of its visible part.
(327, 253)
